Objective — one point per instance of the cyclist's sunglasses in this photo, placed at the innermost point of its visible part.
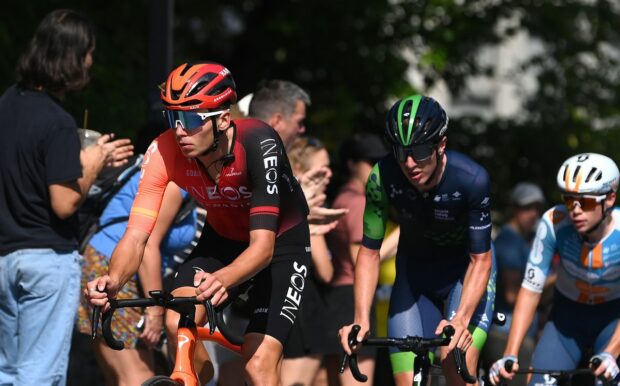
(189, 120)
(585, 202)
(419, 153)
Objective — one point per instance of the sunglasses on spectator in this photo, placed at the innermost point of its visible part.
(190, 121)
(419, 153)
(585, 202)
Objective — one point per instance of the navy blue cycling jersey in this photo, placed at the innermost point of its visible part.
(450, 221)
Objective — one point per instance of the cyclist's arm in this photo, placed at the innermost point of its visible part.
(523, 314)
(474, 285)
(368, 257)
(127, 255)
(366, 278)
(536, 271)
(613, 347)
(252, 260)
(149, 272)
(479, 269)
(390, 244)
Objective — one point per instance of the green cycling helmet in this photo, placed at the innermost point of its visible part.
(415, 125)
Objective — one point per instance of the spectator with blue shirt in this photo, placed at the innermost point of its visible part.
(171, 235)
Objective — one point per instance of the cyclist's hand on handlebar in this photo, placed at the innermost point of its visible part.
(498, 370)
(153, 325)
(344, 331)
(608, 366)
(209, 287)
(99, 290)
(462, 337)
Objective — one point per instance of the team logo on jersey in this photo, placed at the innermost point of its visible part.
(294, 291)
(395, 192)
(443, 214)
(270, 162)
(485, 201)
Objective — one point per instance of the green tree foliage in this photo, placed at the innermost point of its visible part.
(349, 55)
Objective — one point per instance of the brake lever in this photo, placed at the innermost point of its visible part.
(211, 316)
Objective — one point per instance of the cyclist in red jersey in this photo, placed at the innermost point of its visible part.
(256, 216)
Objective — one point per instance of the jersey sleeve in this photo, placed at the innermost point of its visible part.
(153, 181)
(541, 255)
(265, 163)
(375, 211)
(480, 214)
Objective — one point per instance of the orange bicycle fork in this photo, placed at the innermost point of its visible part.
(184, 371)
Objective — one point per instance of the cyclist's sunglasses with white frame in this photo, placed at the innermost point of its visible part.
(585, 202)
(190, 121)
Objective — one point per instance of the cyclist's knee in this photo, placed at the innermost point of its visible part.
(259, 368)
(261, 354)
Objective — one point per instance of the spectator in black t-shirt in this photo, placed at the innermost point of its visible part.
(43, 178)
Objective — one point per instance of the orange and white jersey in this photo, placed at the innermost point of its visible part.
(587, 273)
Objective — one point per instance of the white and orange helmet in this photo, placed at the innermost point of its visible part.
(588, 173)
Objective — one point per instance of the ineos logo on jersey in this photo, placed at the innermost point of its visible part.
(228, 192)
(270, 162)
(213, 193)
(293, 294)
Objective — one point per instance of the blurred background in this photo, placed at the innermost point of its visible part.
(525, 83)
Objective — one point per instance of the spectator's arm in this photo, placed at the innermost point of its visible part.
(324, 269)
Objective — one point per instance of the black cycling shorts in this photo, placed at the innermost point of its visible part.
(276, 291)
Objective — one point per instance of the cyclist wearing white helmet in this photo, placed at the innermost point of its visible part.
(585, 233)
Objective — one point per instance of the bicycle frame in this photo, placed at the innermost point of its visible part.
(188, 334)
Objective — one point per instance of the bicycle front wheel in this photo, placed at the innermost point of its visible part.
(160, 380)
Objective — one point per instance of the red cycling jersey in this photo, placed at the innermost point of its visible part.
(257, 190)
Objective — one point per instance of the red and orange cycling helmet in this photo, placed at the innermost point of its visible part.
(199, 86)
(194, 92)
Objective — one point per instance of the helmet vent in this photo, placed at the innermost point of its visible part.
(565, 173)
(576, 173)
(591, 174)
(599, 175)
(407, 113)
(221, 87)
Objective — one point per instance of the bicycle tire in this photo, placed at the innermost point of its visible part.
(160, 380)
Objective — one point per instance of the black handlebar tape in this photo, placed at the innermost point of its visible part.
(106, 328)
(352, 359)
(355, 370)
(461, 366)
(94, 321)
(345, 357)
